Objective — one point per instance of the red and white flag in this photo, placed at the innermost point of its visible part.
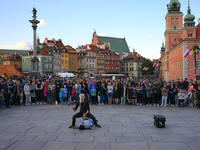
(155, 64)
(186, 53)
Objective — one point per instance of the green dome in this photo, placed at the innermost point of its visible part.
(174, 6)
(189, 18)
(163, 47)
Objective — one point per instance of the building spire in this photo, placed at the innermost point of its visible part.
(189, 18)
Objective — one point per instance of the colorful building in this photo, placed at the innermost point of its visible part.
(14, 59)
(45, 62)
(131, 65)
(8, 52)
(72, 60)
(179, 37)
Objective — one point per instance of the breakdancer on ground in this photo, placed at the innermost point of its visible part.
(84, 111)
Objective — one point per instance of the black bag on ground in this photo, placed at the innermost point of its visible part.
(159, 121)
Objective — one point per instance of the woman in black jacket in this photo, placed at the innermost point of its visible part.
(102, 93)
(116, 93)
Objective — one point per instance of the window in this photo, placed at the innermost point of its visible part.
(90, 66)
(108, 62)
(70, 67)
(62, 67)
(50, 59)
(174, 27)
(50, 66)
(74, 57)
(65, 67)
(115, 67)
(73, 67)
(74, 62)
(46, 59)
(62, 61)
(112, 62)
(197, 65)
(70, 61)
(55, 68)
(65, 55)
(62, 55)
(66, 61)
(108, 67)
(58, 62)
(70, 56)
(46, 66)
(112, 67)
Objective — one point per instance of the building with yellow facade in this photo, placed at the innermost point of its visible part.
(70, 60)
(13, 59)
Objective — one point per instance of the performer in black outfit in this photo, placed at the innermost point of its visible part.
(84, 112)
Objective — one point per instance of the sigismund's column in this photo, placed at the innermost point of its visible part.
(34, 60)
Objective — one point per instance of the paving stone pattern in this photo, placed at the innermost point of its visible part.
(45, 127)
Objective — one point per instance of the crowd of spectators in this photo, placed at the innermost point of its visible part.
(22, 90)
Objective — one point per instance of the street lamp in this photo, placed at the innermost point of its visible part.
(196, 51)
(159, 62)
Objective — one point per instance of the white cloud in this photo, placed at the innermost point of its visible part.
(102, 34)
(22, 45)
(150, 36)
(42, 23)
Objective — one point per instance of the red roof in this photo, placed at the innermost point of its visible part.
(14, 57)
(58, 45)
(155, 60)
(121, 54)
(10, 70)
(135, 55)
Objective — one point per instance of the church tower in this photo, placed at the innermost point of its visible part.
(189, 30)
(174, 24)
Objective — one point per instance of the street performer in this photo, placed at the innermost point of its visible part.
(84, 111)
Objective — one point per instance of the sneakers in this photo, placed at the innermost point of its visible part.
(102, 103)
(157, 104)
(33, 103)
(40, 103)
(147, 105)
(140, 104)
(44, 103)
(137, 103)
(161, 105)
(99, 103)
(71, 127)
(26, 104)
(164, 105)
(97, 126)
(154, 105)
(150, 105)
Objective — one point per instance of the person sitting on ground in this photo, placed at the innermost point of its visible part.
(84, 111)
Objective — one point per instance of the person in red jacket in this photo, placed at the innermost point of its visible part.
(73, 93)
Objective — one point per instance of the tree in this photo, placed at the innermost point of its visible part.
(148, 64)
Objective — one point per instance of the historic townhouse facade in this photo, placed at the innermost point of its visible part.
(131, 65)
(45, 62)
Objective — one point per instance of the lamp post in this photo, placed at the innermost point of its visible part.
(196, 51)
(159, 62)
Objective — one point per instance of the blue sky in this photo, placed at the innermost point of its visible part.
(141, 22)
